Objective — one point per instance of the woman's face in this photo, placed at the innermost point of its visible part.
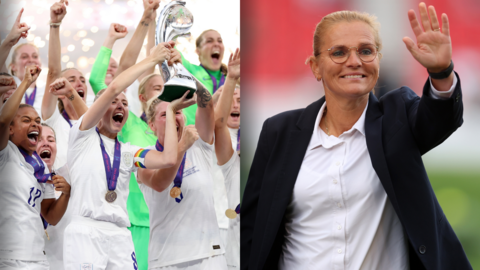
(112, 68)
(211, 50)
(158, 123)
(353, 78)
(26, 55)
(78, 82)
(47, 146)
(154, 87)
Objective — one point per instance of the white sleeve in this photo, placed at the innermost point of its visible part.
(231, 172)
(4, 156)
(52, 121)
(49, 192)
(443, 94)
(78, 137)
(64, 172)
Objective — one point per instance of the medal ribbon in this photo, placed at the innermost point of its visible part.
(31, 99)
(37, 166)
(237, 209)
(177, 182)
(238, 139)
(65, 116)
(112, 173)
(214, 80)
(144, 117)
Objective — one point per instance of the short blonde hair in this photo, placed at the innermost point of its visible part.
(152, 109)
(142, 89)
(344, 16)
(15, 54)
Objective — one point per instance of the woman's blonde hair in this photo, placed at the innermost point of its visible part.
(152, 109)
(198, 43)
(15, 54)
(344, 16)
(142, 89)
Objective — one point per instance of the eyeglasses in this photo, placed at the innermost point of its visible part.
(339, 53)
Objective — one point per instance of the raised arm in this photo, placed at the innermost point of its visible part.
(159, 180)
(131, 52)
(205, 116)
(434, 45)
(10, 108)
(223, 142)
(100, 67)
(57, 13)
(63, 89)
(99, 107)
(19, 30)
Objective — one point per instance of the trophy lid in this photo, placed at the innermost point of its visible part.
(175, 20)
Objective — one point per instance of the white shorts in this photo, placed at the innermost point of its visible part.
(97, 245)
(7, 264)
(216, 262)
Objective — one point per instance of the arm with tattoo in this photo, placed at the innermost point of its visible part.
(205, 116)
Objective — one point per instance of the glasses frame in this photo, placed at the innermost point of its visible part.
(348, 56)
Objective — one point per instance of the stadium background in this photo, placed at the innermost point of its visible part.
(277, 39)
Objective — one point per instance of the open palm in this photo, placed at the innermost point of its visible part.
(434, 46)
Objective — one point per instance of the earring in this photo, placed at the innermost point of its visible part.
(319, 79)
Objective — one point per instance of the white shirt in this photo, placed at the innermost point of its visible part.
(219, 190)
(21, 196)
(185, 231)
(88, 177)
(231, 171)
(62, 132)
(340, 216)
(37, 104)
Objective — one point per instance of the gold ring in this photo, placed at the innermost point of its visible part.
(437, 29)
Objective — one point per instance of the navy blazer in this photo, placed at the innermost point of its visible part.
(399, 129)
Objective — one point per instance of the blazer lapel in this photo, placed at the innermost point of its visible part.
(373, 132)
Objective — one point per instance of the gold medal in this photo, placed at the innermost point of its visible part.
(175, 192)
(231, 214)
(111, 196)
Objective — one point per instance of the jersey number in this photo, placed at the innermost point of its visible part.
(35, 196)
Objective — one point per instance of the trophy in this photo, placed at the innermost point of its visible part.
(175, 21)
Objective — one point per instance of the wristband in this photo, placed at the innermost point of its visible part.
(443, 74)
(54, 24)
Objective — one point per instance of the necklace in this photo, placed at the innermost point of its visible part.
(325, 121)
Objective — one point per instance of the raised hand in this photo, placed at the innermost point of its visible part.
(161, 52)
(31, 73)
(19, 30)
(434, 47)
(176, 57)
(7, 84)
(183, 102)
(62, 88)
(117, 31)
(150, 9)
(189, 136)
(61, 184)
(234, 65)
(58, 11)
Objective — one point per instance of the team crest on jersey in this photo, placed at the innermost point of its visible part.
(127, 158)
(86, 266)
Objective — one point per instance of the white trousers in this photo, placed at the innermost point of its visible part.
(211, 263)
(97, 245)
(7, 264)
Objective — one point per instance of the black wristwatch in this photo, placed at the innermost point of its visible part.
(443, 74)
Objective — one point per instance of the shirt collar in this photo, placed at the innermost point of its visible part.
(319, 135)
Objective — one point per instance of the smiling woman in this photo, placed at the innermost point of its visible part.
(352, 191)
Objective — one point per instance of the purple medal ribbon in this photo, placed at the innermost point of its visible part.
(177, 182)
(37, 165)
(65, 116)
(238, 139)
(237, 209)
(31, 99)
(112, 173)
(214, 80)
(144, 117)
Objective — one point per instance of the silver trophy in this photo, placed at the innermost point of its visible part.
(174, 21)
